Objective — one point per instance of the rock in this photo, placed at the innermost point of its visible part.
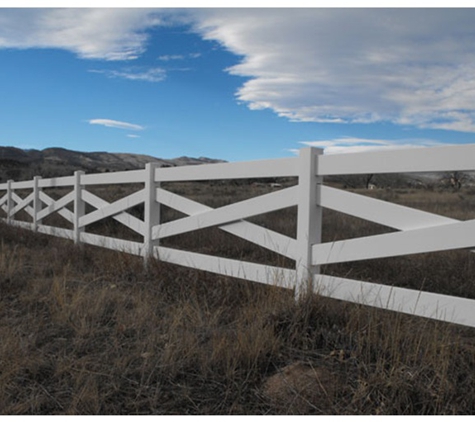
(300, 389)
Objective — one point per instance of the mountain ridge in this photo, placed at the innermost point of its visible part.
(23, 164)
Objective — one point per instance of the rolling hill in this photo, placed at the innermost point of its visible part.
(19, 164)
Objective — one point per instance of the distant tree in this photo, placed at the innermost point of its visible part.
(353, 181)
(13, 174)
(454, 180)
(368, 179)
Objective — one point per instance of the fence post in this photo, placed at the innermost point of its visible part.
(309, 219)
(79, 206)
(151, 212)
(9, 202)
(36, 202)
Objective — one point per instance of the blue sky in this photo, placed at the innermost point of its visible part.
(236, 84)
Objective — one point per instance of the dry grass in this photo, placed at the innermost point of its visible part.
(89, 331)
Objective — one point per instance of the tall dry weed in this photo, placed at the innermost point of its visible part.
(90, 331)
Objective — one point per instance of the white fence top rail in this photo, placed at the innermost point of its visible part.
(123, 177)
(411, 160)
(434, 159)
(282, 167)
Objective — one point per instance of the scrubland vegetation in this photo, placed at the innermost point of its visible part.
(90, 331)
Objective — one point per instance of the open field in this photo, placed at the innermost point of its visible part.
(90, 331)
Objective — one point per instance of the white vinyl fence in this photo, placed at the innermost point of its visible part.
(417, 231)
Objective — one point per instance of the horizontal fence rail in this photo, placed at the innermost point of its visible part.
(416, 231)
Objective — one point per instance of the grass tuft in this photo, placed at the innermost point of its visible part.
(89, 331)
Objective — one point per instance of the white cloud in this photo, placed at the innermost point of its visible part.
(109, 34)
(170, 57)
(115, 124)
(350, 145)
(136, 74)
(407, 66)
(133, 136)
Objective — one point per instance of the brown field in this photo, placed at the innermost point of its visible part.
(90, 331)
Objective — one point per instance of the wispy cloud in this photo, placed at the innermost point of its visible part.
(167, 58)
(135, 74)
(133, 136)
(109, 33)
(115, 124)
(351, 145)
(408, 66)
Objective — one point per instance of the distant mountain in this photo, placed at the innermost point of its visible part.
(18, 164)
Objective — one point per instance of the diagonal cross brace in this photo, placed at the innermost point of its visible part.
(229, 214)
(22, 203)
(114, 210)
(381, 212)
(266, 238)
(56, 206)
(459, 235)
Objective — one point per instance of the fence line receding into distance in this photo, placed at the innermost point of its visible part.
(417, 231)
